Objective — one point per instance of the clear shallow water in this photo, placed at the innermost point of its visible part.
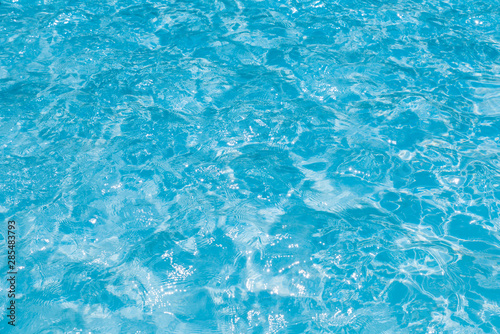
(252, 167)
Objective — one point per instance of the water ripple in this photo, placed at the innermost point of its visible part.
(265, 167)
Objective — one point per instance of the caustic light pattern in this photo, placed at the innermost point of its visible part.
(252, 166)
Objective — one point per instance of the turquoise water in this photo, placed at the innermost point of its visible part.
(251, 166)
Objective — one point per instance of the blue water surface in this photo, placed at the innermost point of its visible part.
(251, 166)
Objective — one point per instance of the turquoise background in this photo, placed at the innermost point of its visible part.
(252, 166)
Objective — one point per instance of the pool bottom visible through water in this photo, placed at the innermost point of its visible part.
(251, 167)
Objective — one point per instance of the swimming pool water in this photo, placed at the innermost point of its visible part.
(252, 166)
